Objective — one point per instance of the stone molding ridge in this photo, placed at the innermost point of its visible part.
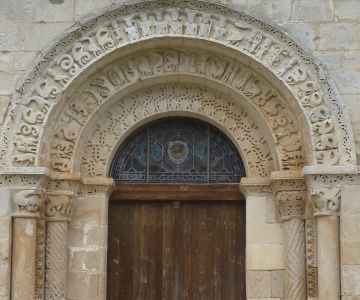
(326, 201)
(331, 170)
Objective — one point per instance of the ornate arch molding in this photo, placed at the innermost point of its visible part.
(122, 116)
(79, 50)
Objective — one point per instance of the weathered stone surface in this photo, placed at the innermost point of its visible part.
(277, 284)
(89, 211)
(273, 260)
(4, 104)
(259, 284)
(90, 7)
(83, 286)
(264, 233)
(90, 260)
(276, 11)
(312, 11)
(350, 227)
(307, 34)
(347, 10)
(38, 35)
(87, 236)
(339, 36)
(350, 252)
(350, 280)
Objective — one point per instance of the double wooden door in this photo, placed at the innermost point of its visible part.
(176, 250)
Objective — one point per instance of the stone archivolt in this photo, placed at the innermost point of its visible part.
(83, 117)
(122, 116)
(329, 132)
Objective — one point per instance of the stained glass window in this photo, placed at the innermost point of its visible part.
(177, 150)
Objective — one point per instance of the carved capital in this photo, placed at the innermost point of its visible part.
(290, 204)
(326, 201)
(29, 202)
(59, 205)
(289, 195)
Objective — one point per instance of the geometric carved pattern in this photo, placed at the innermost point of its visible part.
(85, 45)
(99, 90)
(311, 258)
(121, 116)
(295, 257)
(56, 260)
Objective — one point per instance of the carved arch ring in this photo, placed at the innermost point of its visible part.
(259, 66)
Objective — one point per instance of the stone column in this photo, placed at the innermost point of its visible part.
(326, 207)
(58, 212)
(290, 195)
(29, 204)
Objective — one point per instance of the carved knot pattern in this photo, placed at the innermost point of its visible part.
(87, 44)
(29, 201)
(59, 205)
(326, 201)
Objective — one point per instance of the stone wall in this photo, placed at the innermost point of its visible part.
(329, 29)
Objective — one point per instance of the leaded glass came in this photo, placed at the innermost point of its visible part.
(177, 150)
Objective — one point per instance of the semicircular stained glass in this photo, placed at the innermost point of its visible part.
(177, 150)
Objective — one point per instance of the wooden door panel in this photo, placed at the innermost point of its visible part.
(191, 251)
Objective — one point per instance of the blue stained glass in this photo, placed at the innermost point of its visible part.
(177, 150)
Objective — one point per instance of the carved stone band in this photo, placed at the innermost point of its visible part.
(290, 195)
(326, 201)
(59, 205)
(28, 202)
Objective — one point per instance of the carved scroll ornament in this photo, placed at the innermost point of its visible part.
(126, 25)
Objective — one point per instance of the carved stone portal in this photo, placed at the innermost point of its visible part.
(111, 74)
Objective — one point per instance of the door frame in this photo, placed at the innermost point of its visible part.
(177, 192)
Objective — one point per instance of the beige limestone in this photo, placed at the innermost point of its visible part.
(329, 27)
(258, 284)
(23, 256)
(328, 257)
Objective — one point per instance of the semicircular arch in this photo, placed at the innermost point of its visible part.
(269, 51)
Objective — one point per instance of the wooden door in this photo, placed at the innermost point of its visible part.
(171, 250)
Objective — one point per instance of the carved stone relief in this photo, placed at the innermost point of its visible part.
(85, 102)
(326, 201)
(82, 47)
(119, 118)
